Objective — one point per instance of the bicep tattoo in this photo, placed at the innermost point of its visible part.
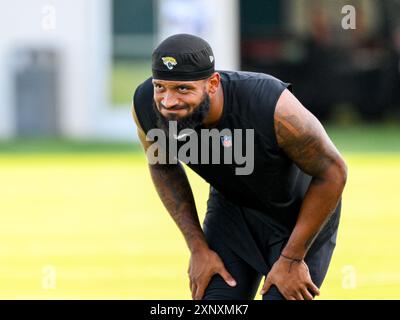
(301, 136)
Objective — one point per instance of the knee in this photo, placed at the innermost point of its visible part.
(273, 294)
(219, 290)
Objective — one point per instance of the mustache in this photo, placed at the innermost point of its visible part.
(175, 107)
(190, 121)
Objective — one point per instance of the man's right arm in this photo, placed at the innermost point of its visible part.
(174, 190)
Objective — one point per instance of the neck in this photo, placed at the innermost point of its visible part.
(216, 108)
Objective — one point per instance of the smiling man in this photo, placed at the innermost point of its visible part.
(280, 219)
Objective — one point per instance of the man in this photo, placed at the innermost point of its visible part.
(281, 219)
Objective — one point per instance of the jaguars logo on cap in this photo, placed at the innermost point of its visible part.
(170, 62)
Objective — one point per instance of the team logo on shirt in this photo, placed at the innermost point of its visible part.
(226, 141)
(170, 62)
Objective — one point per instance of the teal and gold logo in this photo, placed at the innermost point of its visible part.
(170, 62)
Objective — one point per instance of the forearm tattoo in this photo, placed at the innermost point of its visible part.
(176, 194)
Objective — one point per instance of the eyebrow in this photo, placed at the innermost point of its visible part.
(189, 86)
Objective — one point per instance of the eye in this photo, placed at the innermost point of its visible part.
(183, 89)
(158, 86)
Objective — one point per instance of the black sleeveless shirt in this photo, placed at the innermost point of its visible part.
(276, 186)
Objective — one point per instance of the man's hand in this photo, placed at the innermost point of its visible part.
(292, 279)
(203, 265)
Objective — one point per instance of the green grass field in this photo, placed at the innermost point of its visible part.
(83, 221)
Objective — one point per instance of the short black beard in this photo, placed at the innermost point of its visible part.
(191, 121)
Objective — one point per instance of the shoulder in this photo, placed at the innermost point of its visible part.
(253, 98)
(254, 82)
(253, 92)
(303, 138)
(254, 95)
(142, 105)
(143, 92)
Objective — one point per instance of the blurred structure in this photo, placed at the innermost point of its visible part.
(215, 21)
(72, 38)
(58, 57)
(140, 25)
(303, 42)
(35, 82)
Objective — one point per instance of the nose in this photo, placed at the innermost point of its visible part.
(169, 101)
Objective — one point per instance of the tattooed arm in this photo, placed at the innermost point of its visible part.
(301, 136)
(305, 141)
(174, 190)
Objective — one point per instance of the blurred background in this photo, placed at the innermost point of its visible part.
(80, 217)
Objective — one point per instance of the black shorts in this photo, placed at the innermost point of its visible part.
(249, 243)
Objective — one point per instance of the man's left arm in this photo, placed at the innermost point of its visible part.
(301, 136)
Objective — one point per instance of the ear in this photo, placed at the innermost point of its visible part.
(213, 83)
